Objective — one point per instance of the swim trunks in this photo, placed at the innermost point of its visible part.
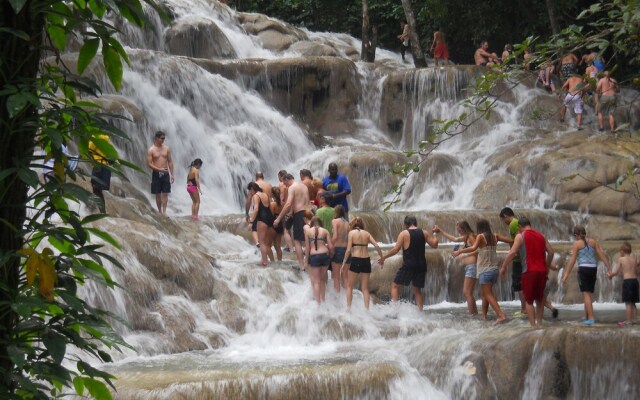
(360, 265)
(607, 105)
(574, 100)
(319, 260)
(533, 284)
(298, 226)
(101, 178)
(191, 188)
(516, 276)
(406, 275)
(160, 182)
(630, 292)
(587, 278)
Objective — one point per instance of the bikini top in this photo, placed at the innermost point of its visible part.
(315, 239)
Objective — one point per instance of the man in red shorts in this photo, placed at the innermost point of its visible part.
(536, 255)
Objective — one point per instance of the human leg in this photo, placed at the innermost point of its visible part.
(100, 195)
(351, 281)
(530, 314)
(588, 305)
(539, 312)
(165, 201)
(417, 293)
(364, 288)
(299, 253)
(467, 290)
(195, 203)
(314, 277)
(159, 202)
(395, 291)
(323, 282)
(612, 123)
(277, 243)
(262, 233)
(487, 290)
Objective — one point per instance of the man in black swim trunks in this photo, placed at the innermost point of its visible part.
(298, 203)
(414, 265)
(161, 164)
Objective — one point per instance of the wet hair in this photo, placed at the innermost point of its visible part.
(254, 186)
(410, 220)
(282, 173)
(581, 233)
(465, 227)
(338, 211)
(159, 133)
(524, 221)
(275, 194)
(196, 163)
(483, 226)
(316, 223)
(259, 175)
(625, 247)
(506, 212)
(288, 176)
(306, 172)
(356, 223)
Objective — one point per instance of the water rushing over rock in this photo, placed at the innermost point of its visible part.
(246, 92)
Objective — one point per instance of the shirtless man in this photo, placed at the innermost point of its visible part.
(288, 222)
(161, 164)
(404, 38)
(607, 88)
(307, 179)
(574, 87)
(411, 241)
(266, 188)
(483, 57)
(298, 203)
(628, 264)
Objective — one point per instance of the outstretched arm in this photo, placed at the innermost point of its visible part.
(395, 249)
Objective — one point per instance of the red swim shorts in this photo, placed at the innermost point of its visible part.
(533, 283)
(441, 51)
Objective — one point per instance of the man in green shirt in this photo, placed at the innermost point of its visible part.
(508, 217)
(324, 212)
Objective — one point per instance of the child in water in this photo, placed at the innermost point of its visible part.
(628, 264)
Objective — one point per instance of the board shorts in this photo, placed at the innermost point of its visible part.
(533, 284)
(160, 182)
(575, 101)
(630, 292)
(407, 275)
(516, 276)
(360, 265)
(441, 51)
(607, 105)
(319, 260)
(101, 178)
(298, 226)
(587, 278)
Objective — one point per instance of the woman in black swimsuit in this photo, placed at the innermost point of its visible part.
(317, 248)
(358, 248)
(263, 215)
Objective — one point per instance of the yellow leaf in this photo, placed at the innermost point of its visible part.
(58, 170)
(47, 275)
(31, 267)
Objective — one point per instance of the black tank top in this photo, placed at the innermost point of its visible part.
(413, 257)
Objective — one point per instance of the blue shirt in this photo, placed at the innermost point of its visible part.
(337, 185)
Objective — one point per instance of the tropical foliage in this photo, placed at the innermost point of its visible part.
(46, 248)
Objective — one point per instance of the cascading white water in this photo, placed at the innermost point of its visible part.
(207, 322)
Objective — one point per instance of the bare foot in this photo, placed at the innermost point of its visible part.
(500, 320)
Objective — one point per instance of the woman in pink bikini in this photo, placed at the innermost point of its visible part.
(193, 187)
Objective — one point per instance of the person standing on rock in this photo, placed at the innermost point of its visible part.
(412, 241)
(339, 187)
(298, 203)
(508, 217)
(536, 255)
(339, 238)
(628, 264)
(162, 176)
(404, 38)
(439, 48)
(574, 87)
(607, 88)
(585, 251)
(194, 188)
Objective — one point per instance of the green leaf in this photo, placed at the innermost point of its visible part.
(16, 103)
(87, 53)
(97, 389)
(58, 36)
(17, 5)
(113, 65)
(29, 177)
(19, 34)
(78, 385)
(104, 236)
(16, 356)
(57, 346)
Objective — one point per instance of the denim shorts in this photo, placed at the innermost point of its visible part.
(489, 277)
(470, 271)
(319, 260)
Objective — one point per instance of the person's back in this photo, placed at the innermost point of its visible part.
(607, 86)
(629, 265)
(533, 252)
(359, 243)
(299, 194)
(341, 232)
(573, 85)
(414, 255)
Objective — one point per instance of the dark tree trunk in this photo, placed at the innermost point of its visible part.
(553, 21)
(20, 61)
(369, 36)
(418, 56)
